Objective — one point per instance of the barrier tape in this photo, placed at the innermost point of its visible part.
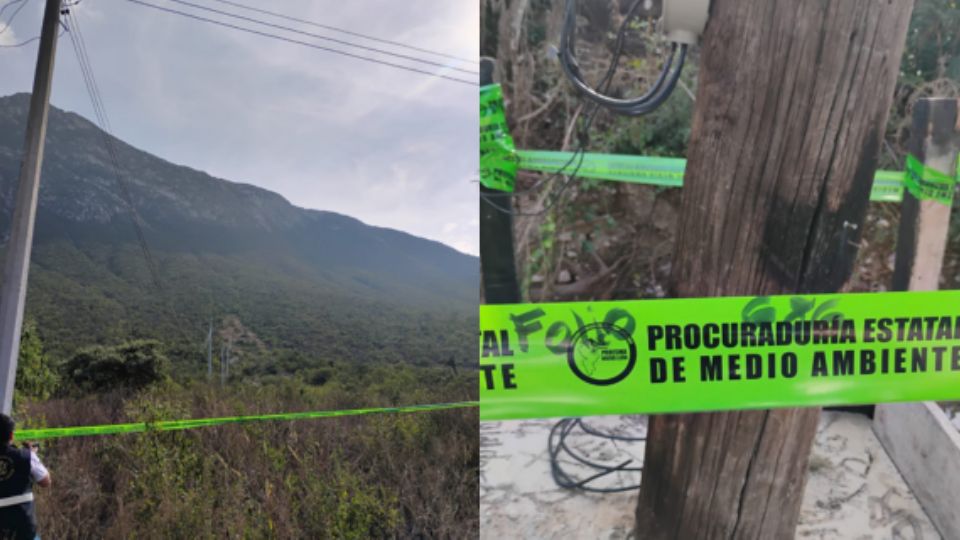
(174, 425)
(662, 171)
(926, 183)
(498, 159)
(705, 354)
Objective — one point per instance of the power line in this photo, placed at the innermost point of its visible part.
(96, 99)
(304, 43)
(15, 13)
(8, 4)
(79, 48)
(348, 32)
(31, 40)
(318, 36)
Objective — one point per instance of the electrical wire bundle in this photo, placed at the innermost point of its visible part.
(650, 100)
(557, 445)
(646, 103)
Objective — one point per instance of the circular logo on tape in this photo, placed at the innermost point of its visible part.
(6, 468)
(601, 354)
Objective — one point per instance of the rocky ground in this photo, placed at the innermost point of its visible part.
(853, 489)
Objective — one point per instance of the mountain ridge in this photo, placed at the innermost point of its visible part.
(222, 249)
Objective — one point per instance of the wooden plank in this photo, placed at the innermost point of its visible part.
(920, 439)
(925, 447)
(924, 224)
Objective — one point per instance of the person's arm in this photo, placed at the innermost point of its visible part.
(39, 473)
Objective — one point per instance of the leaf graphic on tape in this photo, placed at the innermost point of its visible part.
(759, 310)
(588, 355)
(821, 312)
(799, 307)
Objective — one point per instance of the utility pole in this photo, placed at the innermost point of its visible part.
(792, 100)
(210, 352)
(13, 290)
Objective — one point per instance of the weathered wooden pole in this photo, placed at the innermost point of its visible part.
(792, 100)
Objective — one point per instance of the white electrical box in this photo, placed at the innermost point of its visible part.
(683, 20)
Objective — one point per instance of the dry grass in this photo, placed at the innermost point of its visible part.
(410, 475)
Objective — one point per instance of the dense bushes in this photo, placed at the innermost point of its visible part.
(133, 365)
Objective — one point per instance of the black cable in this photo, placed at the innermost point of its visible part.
(6, 25)
(583, 138)
(304, 43)
(348, 32)
(556, 445)
(31, 40)
(8, 4)
(318, 36)
(93, 90)
(650, 100)
(96, 99)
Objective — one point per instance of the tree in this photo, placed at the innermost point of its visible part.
(790, 109)
(35, 377)
(130, 366)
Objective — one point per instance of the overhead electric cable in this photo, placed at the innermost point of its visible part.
(327, 38)
(348, 32)
(96, 99)
(304, 43)
(6, 25)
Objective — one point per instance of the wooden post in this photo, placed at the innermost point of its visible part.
(13, 292)
(791, 105)
(497, 266)
(922, 238)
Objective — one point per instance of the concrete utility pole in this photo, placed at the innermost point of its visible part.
(792, 100)
(13, 290)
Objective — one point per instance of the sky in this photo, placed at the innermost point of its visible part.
(328, 132)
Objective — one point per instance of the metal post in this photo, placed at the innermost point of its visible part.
(13, 290)
(210, 352)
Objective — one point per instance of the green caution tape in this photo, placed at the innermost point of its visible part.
(498, 160)
(926, 183)
(703, 354)
(661, 171)
(173, 425)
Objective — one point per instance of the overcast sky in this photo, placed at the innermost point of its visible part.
(389, 147)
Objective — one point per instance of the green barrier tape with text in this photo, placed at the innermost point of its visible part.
(704, 354)
(926, 183)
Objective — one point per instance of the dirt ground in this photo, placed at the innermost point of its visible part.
(853, 489)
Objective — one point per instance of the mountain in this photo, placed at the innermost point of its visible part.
(273, 278)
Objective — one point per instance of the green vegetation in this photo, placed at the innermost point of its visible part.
(314, 311)
(355, 477)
